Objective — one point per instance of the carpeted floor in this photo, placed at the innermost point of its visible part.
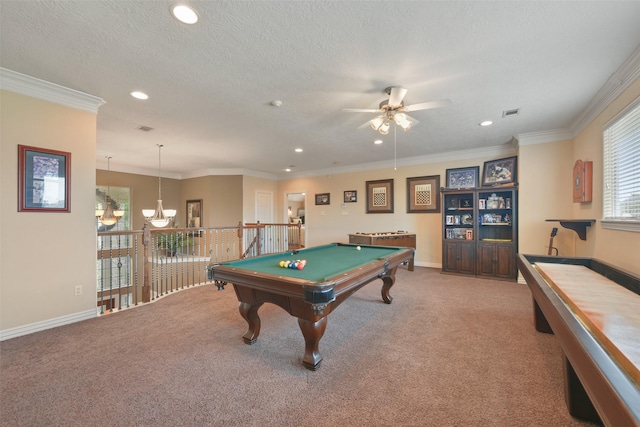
(449, 351)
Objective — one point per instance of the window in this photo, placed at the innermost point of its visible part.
(621, 170)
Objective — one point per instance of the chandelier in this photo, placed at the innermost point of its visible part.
(108, 216)
(159, 217)
(382, 123)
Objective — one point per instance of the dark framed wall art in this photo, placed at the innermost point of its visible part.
(499, 172)
(350, 196)
(44, 180)
(194, 213)
(463, 177)
(323, 199)
(380, 196)
(423, 194)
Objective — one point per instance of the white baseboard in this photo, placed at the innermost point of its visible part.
(427, 264)
(47, 324)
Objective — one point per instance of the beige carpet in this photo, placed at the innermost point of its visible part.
(449, 351)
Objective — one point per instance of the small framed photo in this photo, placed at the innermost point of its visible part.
(194, 213)
(499, 172)
(380, 196)
(350, 196)
(44, 180)
(482, 203)
(463, 177)
(456, 219)
(449, 219)
(323, 199)
(423, 194)
(469, 234)
(466, 203)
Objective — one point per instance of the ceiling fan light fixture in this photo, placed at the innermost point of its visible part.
(399, 118)
(406, 124)
(384, 128)
(377, 122)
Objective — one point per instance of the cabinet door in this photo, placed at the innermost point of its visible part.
(505, 266)
(496, 260)
(458, 257)
(467, 258)
(486, 259)
(450, 257)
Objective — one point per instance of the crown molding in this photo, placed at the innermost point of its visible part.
(486, 152)
(101, 165)
(40, 89)
(619, 81)
(544, 136)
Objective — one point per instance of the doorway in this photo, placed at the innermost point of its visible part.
(296, 214)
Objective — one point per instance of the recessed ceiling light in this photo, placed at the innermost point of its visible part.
(486, 123)
(377, 141)
(184, 14)
(287, 170)
(139, 95)
(299, 150)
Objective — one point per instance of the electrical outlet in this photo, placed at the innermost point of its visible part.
(78, 290)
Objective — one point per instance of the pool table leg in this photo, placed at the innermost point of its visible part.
(387, 282)
(312, 332)
(250, 313)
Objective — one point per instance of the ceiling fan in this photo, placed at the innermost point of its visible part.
(394, 110)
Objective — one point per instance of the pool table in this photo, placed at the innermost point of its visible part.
(332, 274)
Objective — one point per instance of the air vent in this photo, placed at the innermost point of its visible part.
(145, 128)
(510, 113)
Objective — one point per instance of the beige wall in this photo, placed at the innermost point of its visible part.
(44, 256)
(221, 199)
(544, 174)
(620, 248)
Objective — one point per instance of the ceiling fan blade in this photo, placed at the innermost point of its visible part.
(359, 110)
(415, 122)
(428, 105)
(396, 96)
(365, 124)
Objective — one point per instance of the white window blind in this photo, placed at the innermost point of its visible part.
(621, 167)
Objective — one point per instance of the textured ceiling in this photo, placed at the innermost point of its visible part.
(211, 84)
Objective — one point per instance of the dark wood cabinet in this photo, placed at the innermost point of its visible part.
(479, 232)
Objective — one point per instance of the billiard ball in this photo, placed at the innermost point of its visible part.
(358, 248)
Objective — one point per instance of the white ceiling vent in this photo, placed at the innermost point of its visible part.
(510, 113)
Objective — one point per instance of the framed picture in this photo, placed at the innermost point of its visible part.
(499, 172)
(194, 213)
(323, 199)
(350, 196)
(423, 194)
(463, 177)
(449, 219)
(380, 196)
(44, 180)
(466, 203)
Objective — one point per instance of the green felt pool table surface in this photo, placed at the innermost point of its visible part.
(323, 262)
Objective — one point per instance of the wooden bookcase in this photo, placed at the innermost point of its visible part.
(480, 232)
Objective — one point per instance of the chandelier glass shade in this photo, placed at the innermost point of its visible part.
(159, 217)
(108, 216)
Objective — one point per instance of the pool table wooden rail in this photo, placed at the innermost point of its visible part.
(598, 387)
